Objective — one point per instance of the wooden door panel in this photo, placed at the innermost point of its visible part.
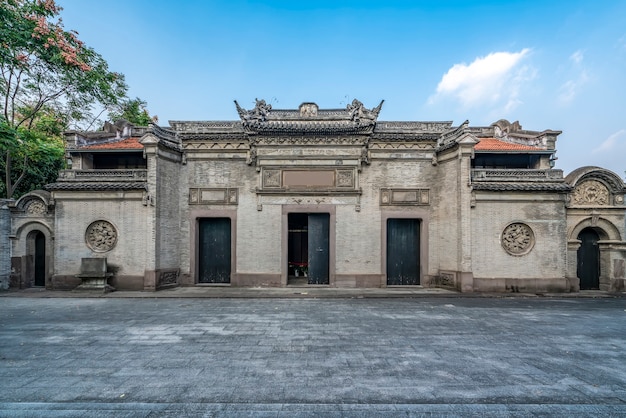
(214, 250)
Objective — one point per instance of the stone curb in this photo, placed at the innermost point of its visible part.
(296, 292)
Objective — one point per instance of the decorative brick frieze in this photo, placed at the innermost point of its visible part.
(213, 196)
(401, 197)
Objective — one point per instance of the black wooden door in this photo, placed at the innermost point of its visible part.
(40, 259)
(588, 269)
(318, 248)
(214, 250)
(403, 252)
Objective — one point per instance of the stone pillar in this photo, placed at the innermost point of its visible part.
(5, 244)
(619, 275)
(572, 265)
(466, 274)
(150, 144)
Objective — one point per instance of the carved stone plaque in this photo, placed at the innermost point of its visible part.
(404, 197)
(101, 236)
(36, 207)
(213, 196)
(591, 192)
(271, 178)
(308, 109)
(518, 239)
(345, 178)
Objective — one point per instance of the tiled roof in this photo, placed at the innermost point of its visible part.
(511, 187)
(493, 144)
(129, 144)
(137, 185)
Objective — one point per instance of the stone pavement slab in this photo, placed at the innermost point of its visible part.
(286, 357)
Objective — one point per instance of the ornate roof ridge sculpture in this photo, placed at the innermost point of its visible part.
(308, 119)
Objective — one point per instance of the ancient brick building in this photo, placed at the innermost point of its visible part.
(330, 197)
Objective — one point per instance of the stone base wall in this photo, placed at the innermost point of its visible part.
(5, 245)
(513, 285)
(64, 282)
(253, 280)
(70, 282)
(359, 280)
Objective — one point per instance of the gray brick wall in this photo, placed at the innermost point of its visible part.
(168, 235)
(545, 216)
(75, 211)
(5, 244)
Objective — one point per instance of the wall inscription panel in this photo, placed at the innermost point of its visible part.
(213, 196)
(308, 180)
(393, 197)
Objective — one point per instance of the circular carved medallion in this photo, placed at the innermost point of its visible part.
(518, 239)
(36, 207)
(101, 236)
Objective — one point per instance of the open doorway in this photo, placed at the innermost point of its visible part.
(588, 266)
(308, 248)
(40, 259)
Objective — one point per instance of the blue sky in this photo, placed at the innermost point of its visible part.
(557, 65)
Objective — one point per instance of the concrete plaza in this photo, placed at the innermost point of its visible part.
(293, 357)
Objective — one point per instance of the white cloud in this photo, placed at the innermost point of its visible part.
(571, 88)
(577, 57)
(495, 79)
(611, 142)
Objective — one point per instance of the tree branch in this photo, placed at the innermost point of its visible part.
(19, 179)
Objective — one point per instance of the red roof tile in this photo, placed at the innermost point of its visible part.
(129, 144)
(493, 144)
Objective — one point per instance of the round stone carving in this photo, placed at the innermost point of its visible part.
(101, 236)
(518, 239)
(36, 207)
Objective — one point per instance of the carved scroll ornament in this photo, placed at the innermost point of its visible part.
(591, 192)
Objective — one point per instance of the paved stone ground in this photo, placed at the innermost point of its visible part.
(278, 357)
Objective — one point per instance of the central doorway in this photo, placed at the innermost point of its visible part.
(308, 248)
(403, 252)
(214, 245)
(588, 268)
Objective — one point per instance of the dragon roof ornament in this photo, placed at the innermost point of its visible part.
(308, 119)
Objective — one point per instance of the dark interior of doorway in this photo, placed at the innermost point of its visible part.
(588, 260)
(40, 259)
(298, 249)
